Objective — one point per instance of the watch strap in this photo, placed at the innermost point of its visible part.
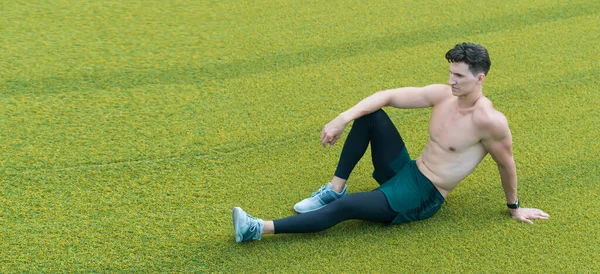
(513, 206)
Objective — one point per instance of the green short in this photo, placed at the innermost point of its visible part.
(409, 192)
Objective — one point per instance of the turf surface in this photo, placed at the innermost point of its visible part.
(129, 129)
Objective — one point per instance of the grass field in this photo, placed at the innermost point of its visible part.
(129, 129)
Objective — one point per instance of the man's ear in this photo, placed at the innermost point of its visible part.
(480, 78)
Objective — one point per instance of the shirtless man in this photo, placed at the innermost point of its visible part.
(464, 128)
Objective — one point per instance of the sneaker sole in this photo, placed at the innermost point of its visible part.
(237, 219)
(306, 211)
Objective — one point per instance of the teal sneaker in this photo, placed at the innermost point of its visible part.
(319, 199)
(246, 227)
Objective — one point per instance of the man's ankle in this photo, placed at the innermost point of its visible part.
(339, 188)
(338, 184)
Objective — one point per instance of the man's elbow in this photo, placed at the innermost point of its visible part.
(506, 166)
(385, 96)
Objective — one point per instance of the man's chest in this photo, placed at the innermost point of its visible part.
(453, 131)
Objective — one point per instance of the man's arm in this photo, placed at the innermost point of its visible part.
(498, 143)
(408, 97)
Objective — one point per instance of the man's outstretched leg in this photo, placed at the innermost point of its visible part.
(386, 144)
(368, 206)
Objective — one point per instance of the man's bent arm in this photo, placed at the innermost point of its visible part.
(407, 97)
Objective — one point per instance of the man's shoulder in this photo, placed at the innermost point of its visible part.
(491, 122)
(439, 88)
(438, 92)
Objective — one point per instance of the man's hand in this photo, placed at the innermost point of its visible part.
(528, 214)
(332, 131)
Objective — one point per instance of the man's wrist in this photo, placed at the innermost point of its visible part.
(345, 117)
(516, 205)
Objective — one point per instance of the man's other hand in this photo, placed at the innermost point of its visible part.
(528, 214)
(332, 131)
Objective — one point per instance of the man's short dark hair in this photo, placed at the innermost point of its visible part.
(474, 55)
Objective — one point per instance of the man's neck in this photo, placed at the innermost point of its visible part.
(469, 100)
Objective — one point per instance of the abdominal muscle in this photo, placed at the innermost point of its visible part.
(445, 169)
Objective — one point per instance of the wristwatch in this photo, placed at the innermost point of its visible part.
(513, 206)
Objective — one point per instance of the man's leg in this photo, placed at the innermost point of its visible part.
(386, 144)
(368, 206)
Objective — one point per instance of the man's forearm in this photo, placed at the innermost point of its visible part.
(508, 175)
(366, 106)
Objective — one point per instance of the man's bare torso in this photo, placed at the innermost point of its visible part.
(454, 148)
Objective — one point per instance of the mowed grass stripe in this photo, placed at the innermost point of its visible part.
(116, 34)
(277, 61)
(250, 122)
(255, 28)
(281, 61)
(71, 39)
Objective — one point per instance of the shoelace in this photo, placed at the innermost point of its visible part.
(254, 223)
(318, 191)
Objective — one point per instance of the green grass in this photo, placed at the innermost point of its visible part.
(129, 129)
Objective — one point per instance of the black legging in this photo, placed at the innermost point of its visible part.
(378, 130)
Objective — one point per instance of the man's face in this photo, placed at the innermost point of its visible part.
(462, 80)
